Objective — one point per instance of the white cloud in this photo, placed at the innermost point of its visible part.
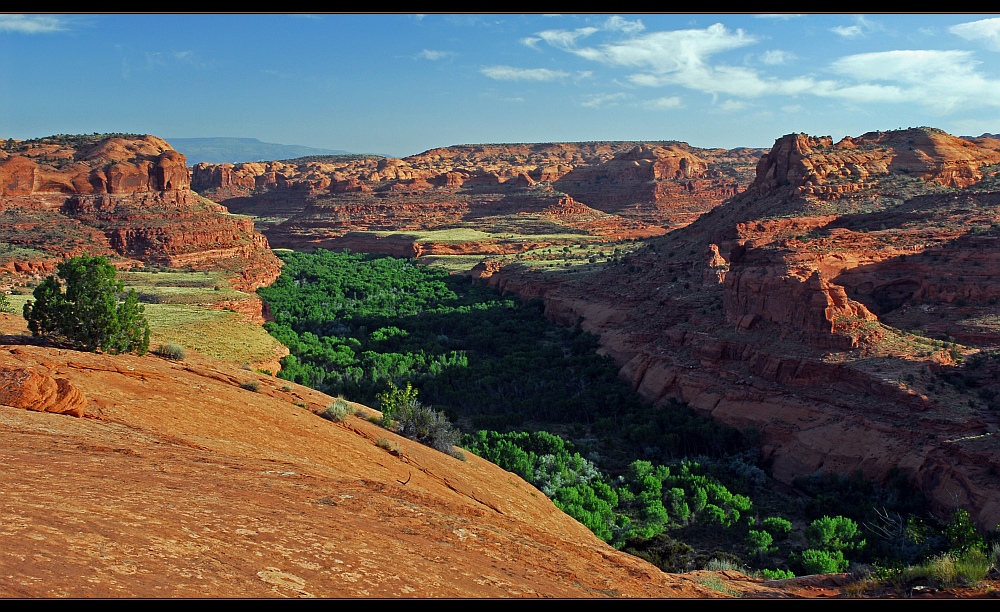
(847, 31)
(616, 23)
(432, 55)
(509, 73)
(941, 80)
(531, 41)
(668, 51)
(986, 30)
(32, 24)
(792, 108)
(666, 103)
(730, 106)
(565, 39)
(604, 100)
(776, 57)
(780, 16)
(861, 27)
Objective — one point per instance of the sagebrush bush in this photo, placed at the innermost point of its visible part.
(250, 385)
(337, 411)
(427, 426)
(170, 351)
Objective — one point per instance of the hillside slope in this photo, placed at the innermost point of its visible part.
(179, 482)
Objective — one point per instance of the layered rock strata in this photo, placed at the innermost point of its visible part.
(127, 197)
(614, 190)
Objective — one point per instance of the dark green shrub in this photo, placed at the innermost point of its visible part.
(88, 315)
(250, 385)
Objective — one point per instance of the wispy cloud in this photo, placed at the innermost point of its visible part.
(531, 41)
(32, 24)
(861, 27)
(666, 103)
(780, 16)
(985, 30)
(776, 57)
(432, 55)
(566, 39)
(941, 80)
(604, 100)
(509, 73)
(616, 23)
(730, 106)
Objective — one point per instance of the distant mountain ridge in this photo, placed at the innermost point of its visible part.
(235, 150)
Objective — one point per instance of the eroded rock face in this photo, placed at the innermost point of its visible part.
(848, 271)
(128, 197)
(819, 167)
(23, 388)
(609, 189)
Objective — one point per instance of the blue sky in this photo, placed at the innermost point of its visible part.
(401, 84)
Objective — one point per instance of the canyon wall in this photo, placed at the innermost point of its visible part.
(844, 305)
(614, 190)
(127, 197)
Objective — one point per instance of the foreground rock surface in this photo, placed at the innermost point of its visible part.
(178, 482)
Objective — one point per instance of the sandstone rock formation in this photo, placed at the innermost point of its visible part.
(855, 324)
(613, 190)
(127, 197)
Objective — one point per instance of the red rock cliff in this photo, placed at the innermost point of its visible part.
(125, 196)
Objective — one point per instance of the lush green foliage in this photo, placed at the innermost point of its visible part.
(837, 533)
(88, 315)
(642, 504)
(357, 325)
(962, 534)
(759, 541)
(548, 462)
(776, 574)
(777, 526)
(815, 561)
